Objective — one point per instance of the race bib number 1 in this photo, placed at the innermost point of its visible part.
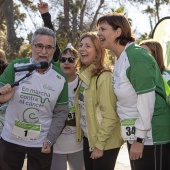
(128, 129)
(26, 131)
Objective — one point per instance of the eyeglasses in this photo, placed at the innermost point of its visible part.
(64, 59)
(40, 47)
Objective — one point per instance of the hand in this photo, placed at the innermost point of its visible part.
(136, 150)
(97, 153)
(6, 93)
(46, 148)
(43, 7)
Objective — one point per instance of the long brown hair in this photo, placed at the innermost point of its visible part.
(101, 54)
(156, 51)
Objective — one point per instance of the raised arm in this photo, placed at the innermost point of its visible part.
(44, 11)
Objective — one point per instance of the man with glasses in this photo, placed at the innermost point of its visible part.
(37, 109)
(44, 11)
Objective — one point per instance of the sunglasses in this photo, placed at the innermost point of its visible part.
(64, 59)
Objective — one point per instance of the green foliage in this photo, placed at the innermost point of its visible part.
(111, 57)
(12, 52)
(121, 9)
(29, 4)
(25, 51)
(18, 16)
(80, 18)
(143, 37)
(149, 10)
(2, 21)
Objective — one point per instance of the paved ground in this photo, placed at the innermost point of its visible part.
(122, 160)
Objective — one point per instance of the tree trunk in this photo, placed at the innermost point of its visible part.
(157, 4)
(150, 20)
(66, 14)
(74, 28)
(95, 16)
(13, 41)
(82, 15)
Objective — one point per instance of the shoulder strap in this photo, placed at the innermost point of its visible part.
(99, 76)
(77, 84)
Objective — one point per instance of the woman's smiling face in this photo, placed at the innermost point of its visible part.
(87, 51)
(107, 35)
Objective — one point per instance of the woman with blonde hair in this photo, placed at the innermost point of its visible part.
(95, 103)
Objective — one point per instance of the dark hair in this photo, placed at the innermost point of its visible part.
(3, 66)
(70, 50)
(118, 20)
(3, 56)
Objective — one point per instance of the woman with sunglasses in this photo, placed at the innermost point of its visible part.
(95, 105)
(66, 149)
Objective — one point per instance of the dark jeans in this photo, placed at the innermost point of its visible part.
(106, 162)
(12, 157)
(155, 157)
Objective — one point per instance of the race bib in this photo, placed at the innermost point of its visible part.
(26, 131)
(128, 129)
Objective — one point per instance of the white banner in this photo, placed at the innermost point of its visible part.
(161, 33)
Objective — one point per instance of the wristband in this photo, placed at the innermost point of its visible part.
(140, 140)
(49, 142)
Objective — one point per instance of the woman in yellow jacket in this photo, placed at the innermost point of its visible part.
(95, 104)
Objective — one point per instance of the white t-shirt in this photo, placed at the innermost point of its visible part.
(128, 90)
(2, 116)
(66, 143)
(29, 115)
(82, 109)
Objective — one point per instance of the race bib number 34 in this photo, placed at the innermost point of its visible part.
(128, 129)
(26, 131)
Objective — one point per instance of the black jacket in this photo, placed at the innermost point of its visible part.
(47, 23)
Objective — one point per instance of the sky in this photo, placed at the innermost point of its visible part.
(140, 22)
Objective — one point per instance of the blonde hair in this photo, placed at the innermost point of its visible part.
(3, 56)
(101, 53)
